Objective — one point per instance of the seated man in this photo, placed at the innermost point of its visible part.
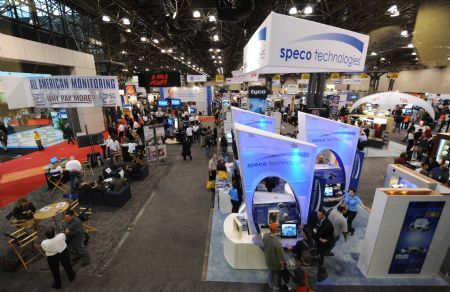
(56, 169)
(24, 210)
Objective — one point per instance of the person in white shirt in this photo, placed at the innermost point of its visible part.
(195, 132)
(189, 133)
(55, 249)
(73, 166)
(135, 125)
(114, 145)
(192, 119)
(121, 131)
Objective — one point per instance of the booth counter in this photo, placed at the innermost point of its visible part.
(407, 234)
(399, 176)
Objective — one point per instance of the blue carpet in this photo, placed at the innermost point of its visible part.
(342, 268)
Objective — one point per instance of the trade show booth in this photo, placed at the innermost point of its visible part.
(254, 120)
(379, 128)
(198, 99)
(399, 177)
(407, 234)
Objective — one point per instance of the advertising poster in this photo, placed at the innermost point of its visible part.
(159, 79)
(155, 145)
(257, 96)
(415, 238)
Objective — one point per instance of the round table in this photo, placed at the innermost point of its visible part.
(50, 211)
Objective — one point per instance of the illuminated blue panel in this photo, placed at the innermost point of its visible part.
(253, 120)
(340, 138)
(264, 154)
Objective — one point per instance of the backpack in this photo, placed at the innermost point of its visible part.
(310, 255)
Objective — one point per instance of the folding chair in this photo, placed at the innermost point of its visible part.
(84, 216)
(56, 181)
(24, 223)
(85, 167)
(20, 240)
(117, 157)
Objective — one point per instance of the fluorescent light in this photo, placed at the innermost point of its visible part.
(373, 54)
(413, 53)
(156, 41)
(163, 51)
(404, 33)
(410, 46)
(196, 14)
(170, 50)
(125, 21)
(216, 38)
(106, 18)
(308, 10)
(212, 18)
(128, 30)
(293, 10)
(174, 15)
(143, 39)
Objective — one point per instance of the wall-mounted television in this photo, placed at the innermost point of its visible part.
(163, 103)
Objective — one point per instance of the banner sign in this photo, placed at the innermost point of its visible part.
(159, 79)
(309, 47)
(74, 91)
(393, 75)
(276, 78)
(195, 78)
(220, 78)
(357, 169)
(334, 76)
(257, 96)
(351, 81)
(364, 76)
(415, 237)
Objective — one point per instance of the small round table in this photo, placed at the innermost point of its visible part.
(50, 211)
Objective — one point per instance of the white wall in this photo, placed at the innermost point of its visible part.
(22, 50)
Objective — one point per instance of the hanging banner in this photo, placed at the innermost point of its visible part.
(257, 96)
(334, 76)
(351, 81)
(276, 78)
(304, 76)
(364, 76)
(130, 90)
(393, 75)
(308, 47)
(220, 78)
(65, 91)
(195, 78)
(159, 79)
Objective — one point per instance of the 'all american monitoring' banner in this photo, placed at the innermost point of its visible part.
(75, 91)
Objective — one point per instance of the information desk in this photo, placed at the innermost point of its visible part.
(244, 251)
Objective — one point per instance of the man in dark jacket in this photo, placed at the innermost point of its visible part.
(323, 234)
(186, 150)
(75, 237)
(223, 144)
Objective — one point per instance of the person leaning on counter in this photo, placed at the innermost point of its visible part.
(73, 166)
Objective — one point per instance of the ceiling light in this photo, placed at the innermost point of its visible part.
(170, 50)
(163, 51)
(182, 58)
(382, 59)
(417, 59)
(210, 50)
(135, 67)
(393, 11)
(373, 54)
(143, 39)
(189, 62)
(156, 41)
(146, 69)
(220, 62)
(174, 14)
(308, 10)
(404, 33)
(212, 18)
(123, 52)
(410, 46)
(196, 14)
(220, 57)
(213, 57)
(218, 50)
(293, 10)
(106, 18)
(448, 58)
(128, 30)
(413, 53)
(125, 21)
(216, 38)
(215, 61)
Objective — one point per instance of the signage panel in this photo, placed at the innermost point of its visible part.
(257, 96)
(220, 78)
(195, 78)
(159, 79)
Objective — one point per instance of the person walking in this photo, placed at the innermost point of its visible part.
(55, 249)
(337, 219)
(68, 133)
(352, 201)
(189, 133)
(76, 237)
(37, 137)
(223, 144)
(209, 144)
(212, 167)
(186, 150)
(274, 256)
(323, 234)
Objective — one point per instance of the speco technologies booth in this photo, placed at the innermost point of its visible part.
(399, 176)
(407, 234)
(254, 120)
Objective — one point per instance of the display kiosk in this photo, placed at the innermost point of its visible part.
(253, 119)
(399, 176)
(407, 234)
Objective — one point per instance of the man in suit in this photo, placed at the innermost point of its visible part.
(323, 234)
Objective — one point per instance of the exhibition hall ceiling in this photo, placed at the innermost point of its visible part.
(209, 35)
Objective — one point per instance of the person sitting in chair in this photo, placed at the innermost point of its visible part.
(24, 210)
(56, 169)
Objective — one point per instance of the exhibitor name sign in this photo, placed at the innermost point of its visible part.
(74, 91)
(309, 47)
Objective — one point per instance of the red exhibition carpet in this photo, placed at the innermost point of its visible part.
(20, 176)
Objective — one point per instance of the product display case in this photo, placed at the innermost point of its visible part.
(441, 150)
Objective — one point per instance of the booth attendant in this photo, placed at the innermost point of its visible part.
(353, 201)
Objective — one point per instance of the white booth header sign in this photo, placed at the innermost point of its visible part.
(195, 78)
(308, 47)
(62, 91)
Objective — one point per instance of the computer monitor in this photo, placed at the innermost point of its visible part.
(175, 102)
(163, 103)
(53, 160)
(289, 230)
(328, 192)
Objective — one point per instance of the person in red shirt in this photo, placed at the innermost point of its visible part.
(401, 159)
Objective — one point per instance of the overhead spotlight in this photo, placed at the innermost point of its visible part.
(156, 41)
(393, 11)
(404, 33)
(196, 14)
(293, 10)
(170, 50)
(218, 50)
(212, 18)
(220, 57)
(123, 52)
(106, 18)
(146, 69)
(189, 62)
(163, 50)
(182, 58)
(174, 14)
(373, 54)
(308, 10)
(216, 38)
(382, 59)
(413, 53)
(143, 39)
(410, 46)
(128, 30)
(126, 21)
(210, 50)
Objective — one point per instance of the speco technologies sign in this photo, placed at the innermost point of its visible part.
(309, 47)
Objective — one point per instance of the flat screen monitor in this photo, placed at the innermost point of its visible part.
(163, 103)
(175, 102)
(53, 160)
(328, 192)
(289, 230)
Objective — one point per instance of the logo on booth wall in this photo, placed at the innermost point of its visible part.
(159, 79)
(404, 100)
(290, 159)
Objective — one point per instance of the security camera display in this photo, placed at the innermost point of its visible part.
(289, 230)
